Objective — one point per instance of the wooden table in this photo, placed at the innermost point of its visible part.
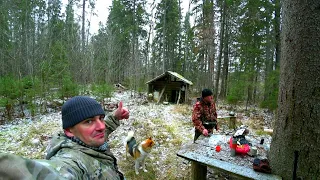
(202, 154)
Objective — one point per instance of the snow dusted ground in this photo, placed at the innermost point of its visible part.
(168, 126)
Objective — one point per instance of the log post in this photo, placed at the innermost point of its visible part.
(179, 97)
(199, 171)
(232, 122)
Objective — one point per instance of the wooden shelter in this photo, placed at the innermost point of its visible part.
(170, 87)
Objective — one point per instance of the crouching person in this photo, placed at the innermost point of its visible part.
(80, 152)
(204, 115)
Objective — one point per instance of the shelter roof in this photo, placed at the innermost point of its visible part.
(171, 74)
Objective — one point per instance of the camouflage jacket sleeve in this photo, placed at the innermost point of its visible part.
(111, 124)
(16, 167)
(196, 117)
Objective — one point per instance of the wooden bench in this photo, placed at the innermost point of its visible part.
(200, 155)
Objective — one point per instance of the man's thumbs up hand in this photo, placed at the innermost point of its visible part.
(121, 112)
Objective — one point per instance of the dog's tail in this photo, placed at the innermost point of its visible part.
(129, 136)
(129, 142)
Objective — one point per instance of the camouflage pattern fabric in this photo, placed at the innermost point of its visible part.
(65, 159)
(203, 112)
(16, 168)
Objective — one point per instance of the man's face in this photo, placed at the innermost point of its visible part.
(90, 131)
(208, 99)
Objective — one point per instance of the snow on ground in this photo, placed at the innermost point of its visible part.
(170, 128)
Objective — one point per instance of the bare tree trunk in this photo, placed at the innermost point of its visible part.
(207, 42)
(211, 45)
(268, 64)
(255, 88)
(83, 25)
(277, 31)
(294, 152)
(222, 27)
(225, 70)
(149, 66)
(164, 56)
(133, 60)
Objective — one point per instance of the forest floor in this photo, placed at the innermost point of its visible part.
(169, 125)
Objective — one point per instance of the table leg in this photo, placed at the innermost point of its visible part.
(199, 171)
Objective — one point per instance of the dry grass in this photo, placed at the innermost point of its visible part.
(128, 167)
(162, 163)
(256, 122)
(30, 141)
(184, 109)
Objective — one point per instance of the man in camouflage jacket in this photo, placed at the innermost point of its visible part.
(80, 152)
(204, 115)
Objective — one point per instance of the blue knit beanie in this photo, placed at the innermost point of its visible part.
(79, 108)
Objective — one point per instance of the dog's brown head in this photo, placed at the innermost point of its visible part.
(148, 144)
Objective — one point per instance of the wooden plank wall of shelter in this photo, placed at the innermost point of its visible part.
(161, 94)
(171, 90)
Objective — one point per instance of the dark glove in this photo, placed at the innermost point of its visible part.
(261, 165)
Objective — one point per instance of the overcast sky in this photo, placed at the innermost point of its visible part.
(102, 11)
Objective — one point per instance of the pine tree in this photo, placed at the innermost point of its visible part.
(167, 33)
(294, 151)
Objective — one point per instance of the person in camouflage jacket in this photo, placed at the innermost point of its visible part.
(80, 152)
(204, 114)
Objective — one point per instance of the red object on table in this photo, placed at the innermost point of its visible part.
(218, 148)
(240, 149)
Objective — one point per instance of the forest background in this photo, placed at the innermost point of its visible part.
(231, 46)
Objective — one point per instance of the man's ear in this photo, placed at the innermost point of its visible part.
(68, 132)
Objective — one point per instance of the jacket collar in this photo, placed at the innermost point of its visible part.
(203, 102)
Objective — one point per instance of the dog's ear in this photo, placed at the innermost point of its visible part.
(150, 141)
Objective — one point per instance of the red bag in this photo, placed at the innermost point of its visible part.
(240, 149)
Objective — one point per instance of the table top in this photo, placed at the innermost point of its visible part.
(203, 151)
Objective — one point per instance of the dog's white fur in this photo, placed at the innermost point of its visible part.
(140, 152)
